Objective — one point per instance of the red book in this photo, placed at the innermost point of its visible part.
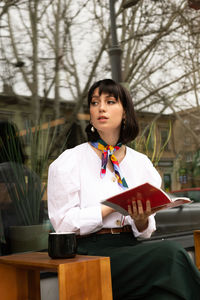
(158, 198)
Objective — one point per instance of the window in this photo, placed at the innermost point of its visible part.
(189, 157)
(167, 182)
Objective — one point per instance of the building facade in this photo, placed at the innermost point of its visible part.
(171, 141)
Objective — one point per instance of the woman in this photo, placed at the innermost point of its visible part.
(82, 177)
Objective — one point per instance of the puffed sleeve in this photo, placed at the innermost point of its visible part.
(64, 207)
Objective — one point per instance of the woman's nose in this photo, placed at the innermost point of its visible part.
(102, 106)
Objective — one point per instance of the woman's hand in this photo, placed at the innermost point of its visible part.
(138, 214)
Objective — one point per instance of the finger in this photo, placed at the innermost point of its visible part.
(140, 207)
(134, 208)
(133, 199)
(148, 207)
(130, 210)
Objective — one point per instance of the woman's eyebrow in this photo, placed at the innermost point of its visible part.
(111, 96)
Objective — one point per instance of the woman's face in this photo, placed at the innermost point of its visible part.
(106, 113)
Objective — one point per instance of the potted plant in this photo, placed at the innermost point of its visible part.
(29, 226)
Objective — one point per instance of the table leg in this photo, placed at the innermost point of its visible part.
(19, 284)
(85, 280)
(197, 247)
(34, 284)
(8, 284)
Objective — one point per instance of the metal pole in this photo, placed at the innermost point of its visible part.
(115, 51)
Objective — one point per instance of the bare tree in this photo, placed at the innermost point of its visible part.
(5, 4)
(64, 46)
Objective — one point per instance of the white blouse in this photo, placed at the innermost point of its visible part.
(75, 190)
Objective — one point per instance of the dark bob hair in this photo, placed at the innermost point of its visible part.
(130, 129)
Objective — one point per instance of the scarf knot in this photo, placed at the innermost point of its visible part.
(108, 153)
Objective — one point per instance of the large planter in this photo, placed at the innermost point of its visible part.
(29, 238)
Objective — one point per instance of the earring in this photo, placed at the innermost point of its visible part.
(124, 123)
(92, 129)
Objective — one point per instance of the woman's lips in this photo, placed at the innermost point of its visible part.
(102, 118)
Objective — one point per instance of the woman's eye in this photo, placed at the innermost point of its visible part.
(111, 101)
(94, 103)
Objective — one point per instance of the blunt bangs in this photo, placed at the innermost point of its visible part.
(109, 89)
(106, 86)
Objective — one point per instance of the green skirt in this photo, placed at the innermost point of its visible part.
(149, 271)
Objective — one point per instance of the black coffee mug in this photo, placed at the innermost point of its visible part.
(62, 244)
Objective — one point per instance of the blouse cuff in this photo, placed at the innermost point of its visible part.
(148, 231)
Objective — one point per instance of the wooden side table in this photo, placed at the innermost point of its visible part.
(197, 247)
(82, 277)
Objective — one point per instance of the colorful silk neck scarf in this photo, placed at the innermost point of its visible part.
(107, 152)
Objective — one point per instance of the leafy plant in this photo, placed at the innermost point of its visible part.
(148, 143)
(24, 188)
(24, 184)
